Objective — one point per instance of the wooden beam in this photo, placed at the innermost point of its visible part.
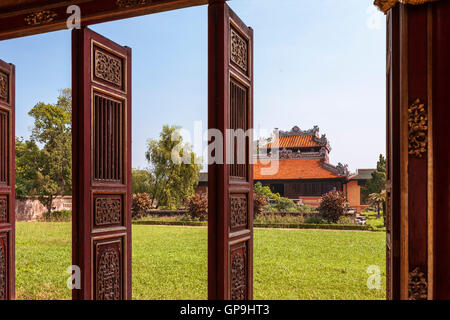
(46, 16)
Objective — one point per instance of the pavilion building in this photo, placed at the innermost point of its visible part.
(304, 172)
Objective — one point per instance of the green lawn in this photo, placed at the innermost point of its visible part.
(171, 263)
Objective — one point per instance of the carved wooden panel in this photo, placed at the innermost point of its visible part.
(239, 120)
(239, 50)
(40, 17)
(4, 87)
(238, 211)
(3, 209)
(108, 270)
(417, 129)
(108, 139)
(417, 285)
(108, 68)
(3, 266)
(4, 146)
(238, 270)
(108, 210)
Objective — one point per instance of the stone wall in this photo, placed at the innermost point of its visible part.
(32, 209)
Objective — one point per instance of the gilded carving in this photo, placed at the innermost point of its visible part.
(417, 129)
(41, 17)
(239, 276)
(108, 210)
(132, 3)
(239, 50)
(108, 275)
(386, 5)
(108, 68)
(238, 212)
(417, 286)
(4, 86)
(3, 268)
(3, 209)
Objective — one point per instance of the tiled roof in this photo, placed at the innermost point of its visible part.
(295, 169)
(363, 174)
(203, 177)
(296, 142)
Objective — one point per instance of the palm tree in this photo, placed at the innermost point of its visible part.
(378, 199)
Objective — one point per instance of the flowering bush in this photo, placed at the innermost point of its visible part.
(140, 205)
(197, 207)
(333, 206)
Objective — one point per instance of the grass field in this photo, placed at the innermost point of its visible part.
(171, 263)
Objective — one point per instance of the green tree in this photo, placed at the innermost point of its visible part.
(28, 163)
(141, 181)
(51, 171)
(377, 183)
(378, 200)
(174, 181)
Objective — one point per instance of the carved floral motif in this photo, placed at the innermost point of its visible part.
(108, 275)
(108, 210)
(131, 3)
(239, 50)
(4, 86)
(417, 286)
(108, 68)
(386, 5)
(3, 210)
(41, 17)
(417, 129)
(239, 276)
(238, 212)
(3, 268)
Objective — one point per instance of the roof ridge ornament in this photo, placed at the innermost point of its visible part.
(386, 5)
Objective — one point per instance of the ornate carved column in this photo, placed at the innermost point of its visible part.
(418, 149)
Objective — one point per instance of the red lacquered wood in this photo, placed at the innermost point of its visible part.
(101, 200)
(7, 184)
(230, 244)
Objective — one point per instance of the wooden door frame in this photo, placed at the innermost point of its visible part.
(431, 214)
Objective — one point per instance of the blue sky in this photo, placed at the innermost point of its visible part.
(317, 62)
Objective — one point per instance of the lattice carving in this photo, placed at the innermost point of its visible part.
(132, 3)
(239, 274)
(417, 286)
(238, 212)
(3, 209)
(4, 147)
(3, 267)
(108, 67)
(109, 274)
(239, 121)
(109, 139)
(4, 86)
(239, 50)
(41, 17)
(108, 210)
(417, 129)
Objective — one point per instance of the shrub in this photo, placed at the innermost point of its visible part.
(285, 205)
(259, 202)
(265, 191)
(58, 216)
(346, 220)
(332, 206)
(141, 204)
(197, 207)
(314, 219)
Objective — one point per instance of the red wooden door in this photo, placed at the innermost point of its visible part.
(101, 166)
(230, 235)
(7, 180)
